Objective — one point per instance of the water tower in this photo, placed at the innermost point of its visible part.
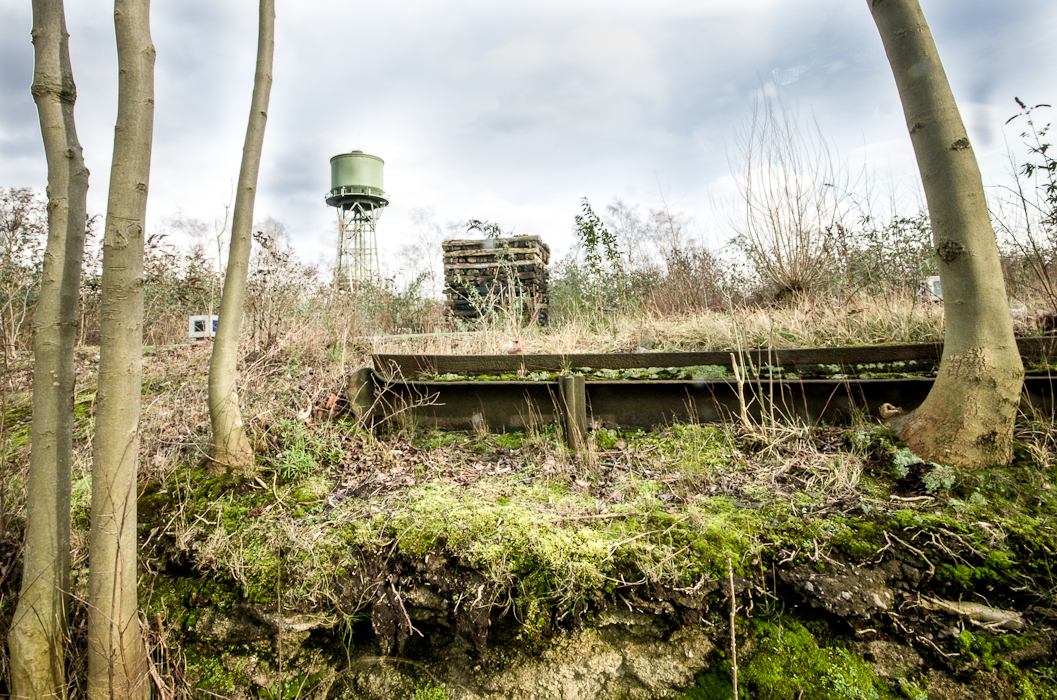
(357, 192)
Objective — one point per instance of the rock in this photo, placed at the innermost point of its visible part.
(638, 624)
(888, 659)
(237, 626)
(850, 592)
(598, 663)
(292, 623)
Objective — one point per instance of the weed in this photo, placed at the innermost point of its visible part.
(303, 453)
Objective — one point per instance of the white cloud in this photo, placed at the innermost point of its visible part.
(509, 111)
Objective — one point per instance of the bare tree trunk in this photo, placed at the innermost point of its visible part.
(116, 660)
(37, 639)
(231, 450)
(967, 419)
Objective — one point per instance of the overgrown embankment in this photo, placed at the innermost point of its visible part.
(430, 565)
(474, 562)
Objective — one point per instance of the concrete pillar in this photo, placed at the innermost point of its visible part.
(573, 397)
(361, 395)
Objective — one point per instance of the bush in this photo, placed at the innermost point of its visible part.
(23, 235)
(884, 255)
(627, 264)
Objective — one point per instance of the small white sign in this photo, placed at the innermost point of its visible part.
(201, 327)
(932, 289)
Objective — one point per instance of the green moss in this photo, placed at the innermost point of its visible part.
(712, 685)
(17, 427)
(152, 500)
(1036, 684)
(858, 539)
(180, 598)
(788, 664)
(206, 671)
(81, 503)
(312, 490)
(430, 691)
(232, 517)
(19, 412)
(507, 540)
(537, 536)
(510, 441)
(697, 450)
(911, 690)
(985, 650)
(437, 438)
(706, 373)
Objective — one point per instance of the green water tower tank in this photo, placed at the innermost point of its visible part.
(356, 178)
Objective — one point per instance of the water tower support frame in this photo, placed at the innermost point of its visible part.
(357, 262)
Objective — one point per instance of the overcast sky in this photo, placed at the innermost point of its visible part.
(511, 111)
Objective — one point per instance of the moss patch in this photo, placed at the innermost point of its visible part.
(789, 663)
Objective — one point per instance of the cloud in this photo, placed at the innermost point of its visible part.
(789, 75)
(506, 111)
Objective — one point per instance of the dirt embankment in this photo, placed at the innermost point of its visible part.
(914, 584)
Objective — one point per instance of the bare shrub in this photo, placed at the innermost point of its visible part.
(177, 283)
(693, 281)
(279, 285)
(421, 255)
(789, 198)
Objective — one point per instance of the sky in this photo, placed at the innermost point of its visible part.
(512, 112)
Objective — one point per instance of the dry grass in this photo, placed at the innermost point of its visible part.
(629, 494)
(807, 323)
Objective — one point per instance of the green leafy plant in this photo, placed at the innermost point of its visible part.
(599, 244)
(883, 254)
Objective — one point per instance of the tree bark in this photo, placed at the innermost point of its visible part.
(967, 419)
(37, 639)
(116, 659)
(230, 448)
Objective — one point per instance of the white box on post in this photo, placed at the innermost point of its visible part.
(201, 327)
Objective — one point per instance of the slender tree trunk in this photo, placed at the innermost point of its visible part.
(116, 660)
(37, 639)
(231, 450)
(967, 419)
